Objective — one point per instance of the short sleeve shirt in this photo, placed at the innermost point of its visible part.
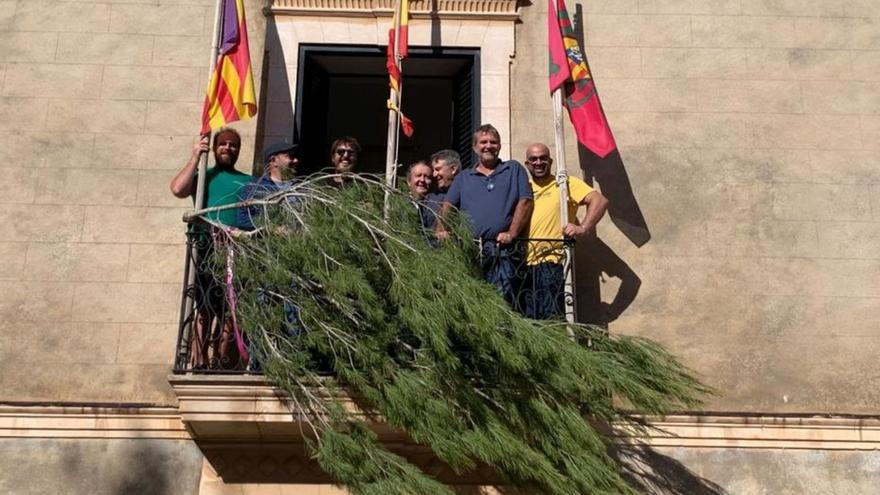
(546, 223)
(490, 200)
(222, 188)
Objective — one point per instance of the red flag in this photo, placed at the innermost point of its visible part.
(568, 70)
(392, 64)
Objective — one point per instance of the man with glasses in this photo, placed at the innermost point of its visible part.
(344, 154)
(496, 197)
(544, 295)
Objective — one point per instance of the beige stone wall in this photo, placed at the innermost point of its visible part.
(99, 105)
(750, 132)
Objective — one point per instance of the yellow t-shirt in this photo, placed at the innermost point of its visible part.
(546, 223)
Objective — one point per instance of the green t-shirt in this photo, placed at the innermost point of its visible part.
(222, 189)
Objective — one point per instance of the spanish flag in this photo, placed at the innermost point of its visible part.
(231, 94)
(391, 63)
(568, 71)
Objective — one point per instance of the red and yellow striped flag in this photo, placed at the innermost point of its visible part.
(391, 63)
(231, 94)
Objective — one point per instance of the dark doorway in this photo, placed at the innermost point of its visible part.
(342, 91)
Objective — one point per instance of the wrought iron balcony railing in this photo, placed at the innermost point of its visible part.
(532, 274)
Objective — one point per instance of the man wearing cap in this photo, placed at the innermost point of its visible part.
(496, 197)
(278, 158)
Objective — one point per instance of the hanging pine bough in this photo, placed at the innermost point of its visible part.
(337, 301)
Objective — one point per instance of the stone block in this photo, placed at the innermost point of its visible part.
(736, 201)
(133, 224)
(648, 95)
(854, 317)
(173, 118)
(52, 80)
(103, 116)
(61, 343)
(152, 190)
(637, 30)
(715, 63)
(611, 62)
(309, 31)
(744, 166)
(794, 8)
(183, 20)
(711, 7)
(153, 83)
(866, 65)
(42, 15)
(20, 114)
(126, 303)
(763, 238)
(870, 129)
(742, 31)
(769, 63)
(13, 255)
(77, 262)
(115, 49)
(822, 202)
(101, 466)
(182, 51)
(28, 46)
(90, 382)
(335, 30)
(157, 263)
(86, 186)
(849, 240)
(146, 152)
(43, 223)
(18, 185)
(836, 33)
(7, 14)
(41, 149)
(846, 167)
(747, 96)
(28, 302)
(146, 343)
(805, 131)
(471, 33)
(806, 63)
(841, 97)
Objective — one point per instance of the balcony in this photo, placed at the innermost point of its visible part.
(247, 430)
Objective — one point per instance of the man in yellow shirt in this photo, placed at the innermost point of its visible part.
(544, 289)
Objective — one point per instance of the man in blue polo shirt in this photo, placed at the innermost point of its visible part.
(497, 199)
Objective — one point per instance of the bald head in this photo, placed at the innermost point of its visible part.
(538, 160)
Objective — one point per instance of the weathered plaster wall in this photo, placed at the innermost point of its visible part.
(99, 106)
(99, 467)
(749, 129)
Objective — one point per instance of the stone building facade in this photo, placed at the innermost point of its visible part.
(750, 130)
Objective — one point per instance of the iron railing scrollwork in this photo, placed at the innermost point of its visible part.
(538, 269)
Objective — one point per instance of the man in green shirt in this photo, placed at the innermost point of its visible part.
(213, 342)
(222, 181)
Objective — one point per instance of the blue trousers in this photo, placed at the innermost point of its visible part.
(544, 292)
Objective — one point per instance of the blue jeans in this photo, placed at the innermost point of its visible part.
(543, 297)
(498, 265)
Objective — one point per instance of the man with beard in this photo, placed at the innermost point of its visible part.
(544, 297)
(279, 159)
(213, 330)
(446, 165)
(496, 197)
(344, 153)
(222, 181)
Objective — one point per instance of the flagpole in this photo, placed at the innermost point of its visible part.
(393, 117)
(203, 161)
(562, 184)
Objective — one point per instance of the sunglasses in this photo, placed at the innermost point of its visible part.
(346, 151)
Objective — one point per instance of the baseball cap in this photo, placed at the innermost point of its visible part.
(277, 147)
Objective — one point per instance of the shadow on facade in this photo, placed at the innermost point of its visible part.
(275, 120)
(648, 471)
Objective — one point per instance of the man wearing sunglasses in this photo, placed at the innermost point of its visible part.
(344, 154)
(496, 198)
